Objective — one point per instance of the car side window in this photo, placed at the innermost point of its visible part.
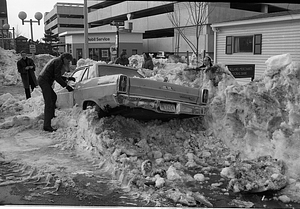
(92, 73)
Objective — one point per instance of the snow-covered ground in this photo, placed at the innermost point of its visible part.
(245, 122)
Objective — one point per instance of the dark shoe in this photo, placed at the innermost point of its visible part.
(49, 129)
(27, 93)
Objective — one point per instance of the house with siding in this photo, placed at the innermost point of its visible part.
(245, 44)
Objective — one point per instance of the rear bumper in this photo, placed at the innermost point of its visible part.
(160, 106)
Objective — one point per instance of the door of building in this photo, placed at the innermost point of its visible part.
(78, 54)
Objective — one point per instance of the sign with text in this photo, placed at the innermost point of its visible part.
(99, 39)
(117, 23)
(242, 71)
(32, 48)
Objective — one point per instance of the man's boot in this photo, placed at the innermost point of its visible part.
(27, 93)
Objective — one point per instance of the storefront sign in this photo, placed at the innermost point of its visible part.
(99, 39)
(242, 71)
(113, 49)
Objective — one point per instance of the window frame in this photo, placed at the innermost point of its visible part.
(237, 48)
(105, 53)
(256, 44)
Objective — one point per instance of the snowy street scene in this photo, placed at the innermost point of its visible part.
(242, 153)
(145, 107)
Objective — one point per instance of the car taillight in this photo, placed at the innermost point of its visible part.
(204, 96)
(123, 83)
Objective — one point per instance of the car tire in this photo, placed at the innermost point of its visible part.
(100, 112)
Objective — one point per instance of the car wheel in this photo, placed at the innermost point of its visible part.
(100, 112)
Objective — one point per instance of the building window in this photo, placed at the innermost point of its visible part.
(134, 51)
(228, 45)
(241, 44)
(104, 53)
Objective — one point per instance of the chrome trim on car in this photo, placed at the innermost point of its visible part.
(160, 106)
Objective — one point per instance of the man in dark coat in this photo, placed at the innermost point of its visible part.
(53, 71)
(148, 63)
(26, 68)
(122, 60)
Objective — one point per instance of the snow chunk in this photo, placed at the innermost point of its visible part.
(199, 177)
(276, 63)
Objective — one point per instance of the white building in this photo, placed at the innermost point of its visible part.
(64, 17)
(101, 44)
(252, 40)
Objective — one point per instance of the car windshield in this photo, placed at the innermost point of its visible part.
(104, 70)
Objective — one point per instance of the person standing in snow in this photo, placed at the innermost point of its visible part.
(53, 71)
(26, 68)
(207, 62)
(122, 60)
(148, 63)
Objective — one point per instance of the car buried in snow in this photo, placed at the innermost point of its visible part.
(119, 90)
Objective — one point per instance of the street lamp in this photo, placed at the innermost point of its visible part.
(6, 27)
(22, 15)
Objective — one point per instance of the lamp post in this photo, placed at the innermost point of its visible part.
(6, 27)
(22, 15)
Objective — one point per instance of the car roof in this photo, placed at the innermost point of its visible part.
(105, 64)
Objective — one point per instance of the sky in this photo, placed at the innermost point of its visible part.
(31, 7)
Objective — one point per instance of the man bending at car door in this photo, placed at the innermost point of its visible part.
(53, 70)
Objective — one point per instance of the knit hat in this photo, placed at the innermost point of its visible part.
(123, 53)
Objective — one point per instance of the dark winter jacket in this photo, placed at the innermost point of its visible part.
(53, 71)
(21, 65)
(122, 61)
(148, 64)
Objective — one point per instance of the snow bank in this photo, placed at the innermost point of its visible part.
(9, 74)
(262, 117)
(258, 119)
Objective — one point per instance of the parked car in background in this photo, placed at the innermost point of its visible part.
(119, 90)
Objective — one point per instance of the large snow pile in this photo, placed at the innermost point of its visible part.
(262, 118)
(8, 66)
(244, 123)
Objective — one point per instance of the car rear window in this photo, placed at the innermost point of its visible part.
(115, 69)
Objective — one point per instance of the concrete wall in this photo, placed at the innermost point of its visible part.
(122, 8)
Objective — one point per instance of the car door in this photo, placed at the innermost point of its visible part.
(65, 99)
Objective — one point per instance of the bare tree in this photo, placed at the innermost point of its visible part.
(197, 15)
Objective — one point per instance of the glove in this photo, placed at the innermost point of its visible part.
(69, 88)
(72, 79)
(64, 78)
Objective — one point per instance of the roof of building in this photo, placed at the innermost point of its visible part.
(273, 14)
(21, 37)
(266, 17)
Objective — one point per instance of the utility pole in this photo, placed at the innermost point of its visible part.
(86, 33)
